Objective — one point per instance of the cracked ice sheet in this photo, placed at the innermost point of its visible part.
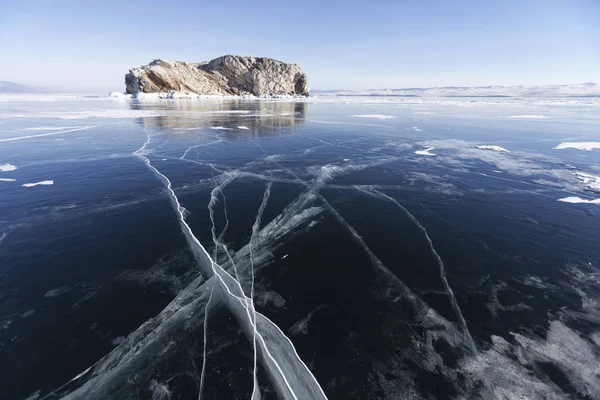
(184, 312)
(287, 371)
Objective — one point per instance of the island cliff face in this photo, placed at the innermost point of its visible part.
(227, 75)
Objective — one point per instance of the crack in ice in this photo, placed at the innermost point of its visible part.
(307, 382)
(456, 309)
(203, 373)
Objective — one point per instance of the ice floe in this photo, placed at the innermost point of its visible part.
(578, 145)
(426, 152)
(41, 183)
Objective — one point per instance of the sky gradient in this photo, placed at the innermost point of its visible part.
(89, 46)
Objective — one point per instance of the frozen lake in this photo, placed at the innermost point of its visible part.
(337, 247)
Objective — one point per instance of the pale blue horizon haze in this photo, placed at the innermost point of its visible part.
(88, 47)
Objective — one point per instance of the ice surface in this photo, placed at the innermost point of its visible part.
(51, 128)
(288, 372)
(7, 167)
(488, 365)
(12, 139)
(42, 183)
(579, 200)
(578, 145)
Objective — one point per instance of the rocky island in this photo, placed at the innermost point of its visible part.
(227, 75)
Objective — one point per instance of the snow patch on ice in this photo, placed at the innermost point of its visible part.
(493, 148)
(373, 116)
(591, 181)
(578, 145)
(417, 129)
(528, 116)
(578, 200)
(119, 95)
(425, 152)
(57, 292)
(220, 128)
(243, 127)
(42, 183)
(7, 180)
(7, 167)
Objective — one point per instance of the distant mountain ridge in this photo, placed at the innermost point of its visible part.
(13, 87)
(579, 90)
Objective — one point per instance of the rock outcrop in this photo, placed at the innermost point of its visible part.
(227, 75)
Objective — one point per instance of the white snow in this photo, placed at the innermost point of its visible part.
(528, 116)
(7, 180)
(493, 148)
(591, 181)
(7, 167)
(578, 145)
(373, 116)
(220, 128)
(119, 95)
(578, 200)
(425, 152)
(417, 129)
(38, 183)
(243, 127)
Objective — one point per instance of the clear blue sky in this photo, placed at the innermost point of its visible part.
(89, 45)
